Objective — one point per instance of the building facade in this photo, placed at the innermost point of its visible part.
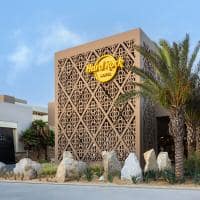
(88, 81)
(15, 117)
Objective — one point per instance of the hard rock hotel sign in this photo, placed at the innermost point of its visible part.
(105, 68)
(88, 80)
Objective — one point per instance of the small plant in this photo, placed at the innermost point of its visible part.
(97, 170)
(88, 174)
(169, 176)
(149, 176)
(196, 179)
(48, 169)
(192, 165)
(134, 179)
(110, 178)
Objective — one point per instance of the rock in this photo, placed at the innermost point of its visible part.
(6, 169)
(101, 178)
(151, 162)
(67, 154)
(26, 167)
(131, 168)
(111, 164)
(2, 165)
(30, 174)
(81, 167)
(163, 161)
(69, 169)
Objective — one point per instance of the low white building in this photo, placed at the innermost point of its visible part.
(15, 117)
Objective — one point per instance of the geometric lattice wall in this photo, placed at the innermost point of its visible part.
(148, 108)
(88, 119)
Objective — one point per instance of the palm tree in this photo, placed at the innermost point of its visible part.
(192, 114)
(37, 137)
(45, 135)
(170, 87)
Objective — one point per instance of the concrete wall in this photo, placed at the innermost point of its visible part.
(21, 115)
(51, 114)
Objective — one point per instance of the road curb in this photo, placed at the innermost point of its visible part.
(136, 186)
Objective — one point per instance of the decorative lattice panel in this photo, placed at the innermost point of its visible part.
(149, 126)
(89, 121)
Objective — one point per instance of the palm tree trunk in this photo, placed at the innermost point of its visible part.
(177, 131)
(191, 133)
(46, 153)
(198, 139)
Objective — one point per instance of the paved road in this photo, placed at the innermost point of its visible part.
(22, 191)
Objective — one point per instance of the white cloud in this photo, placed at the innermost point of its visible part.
(40, 50)
(19, 60)
(53, 39)
(20, 57)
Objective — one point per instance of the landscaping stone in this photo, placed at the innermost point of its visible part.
(101, 178)
(163, 161)
(150, 160)
(27, 168)
(6, 170)
(30, 174)
(69, 169)
(67, 154)
(111, 164)
(131, 168)
(2, 165)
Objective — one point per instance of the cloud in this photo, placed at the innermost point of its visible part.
(19, 60)
(53, 39)
(39, 50)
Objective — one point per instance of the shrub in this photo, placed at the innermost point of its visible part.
(134, 179)
(110, 178)
(169, 176)
(149, 176)
(192, 165)
(88, 173)
(196, 179)
(48, 169)
(97, 170)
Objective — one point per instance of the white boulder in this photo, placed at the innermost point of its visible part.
(131, 168)
(2, 165)
(2, 168)
(101, 178)
(27, 168)
(163, 161)
(111, 164)
(150, 161)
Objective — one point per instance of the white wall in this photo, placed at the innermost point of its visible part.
(19, 114)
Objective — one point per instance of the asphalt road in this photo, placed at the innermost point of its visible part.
(23, 191)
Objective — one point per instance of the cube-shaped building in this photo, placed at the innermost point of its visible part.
(88, 80)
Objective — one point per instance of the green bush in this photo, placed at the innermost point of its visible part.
(88, 174)
(110, 178)
(48, 169)
(97, 170)
(134, 179)
(196, 179)
(169, 176)
(150, 176)
(192, 165)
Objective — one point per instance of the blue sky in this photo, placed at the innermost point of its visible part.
(32, 31)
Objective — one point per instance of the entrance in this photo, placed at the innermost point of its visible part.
(165, 141)
(7, 152)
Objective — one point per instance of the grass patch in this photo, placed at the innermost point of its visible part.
(48, 169)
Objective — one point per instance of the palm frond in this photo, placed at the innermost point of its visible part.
(193, 56)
